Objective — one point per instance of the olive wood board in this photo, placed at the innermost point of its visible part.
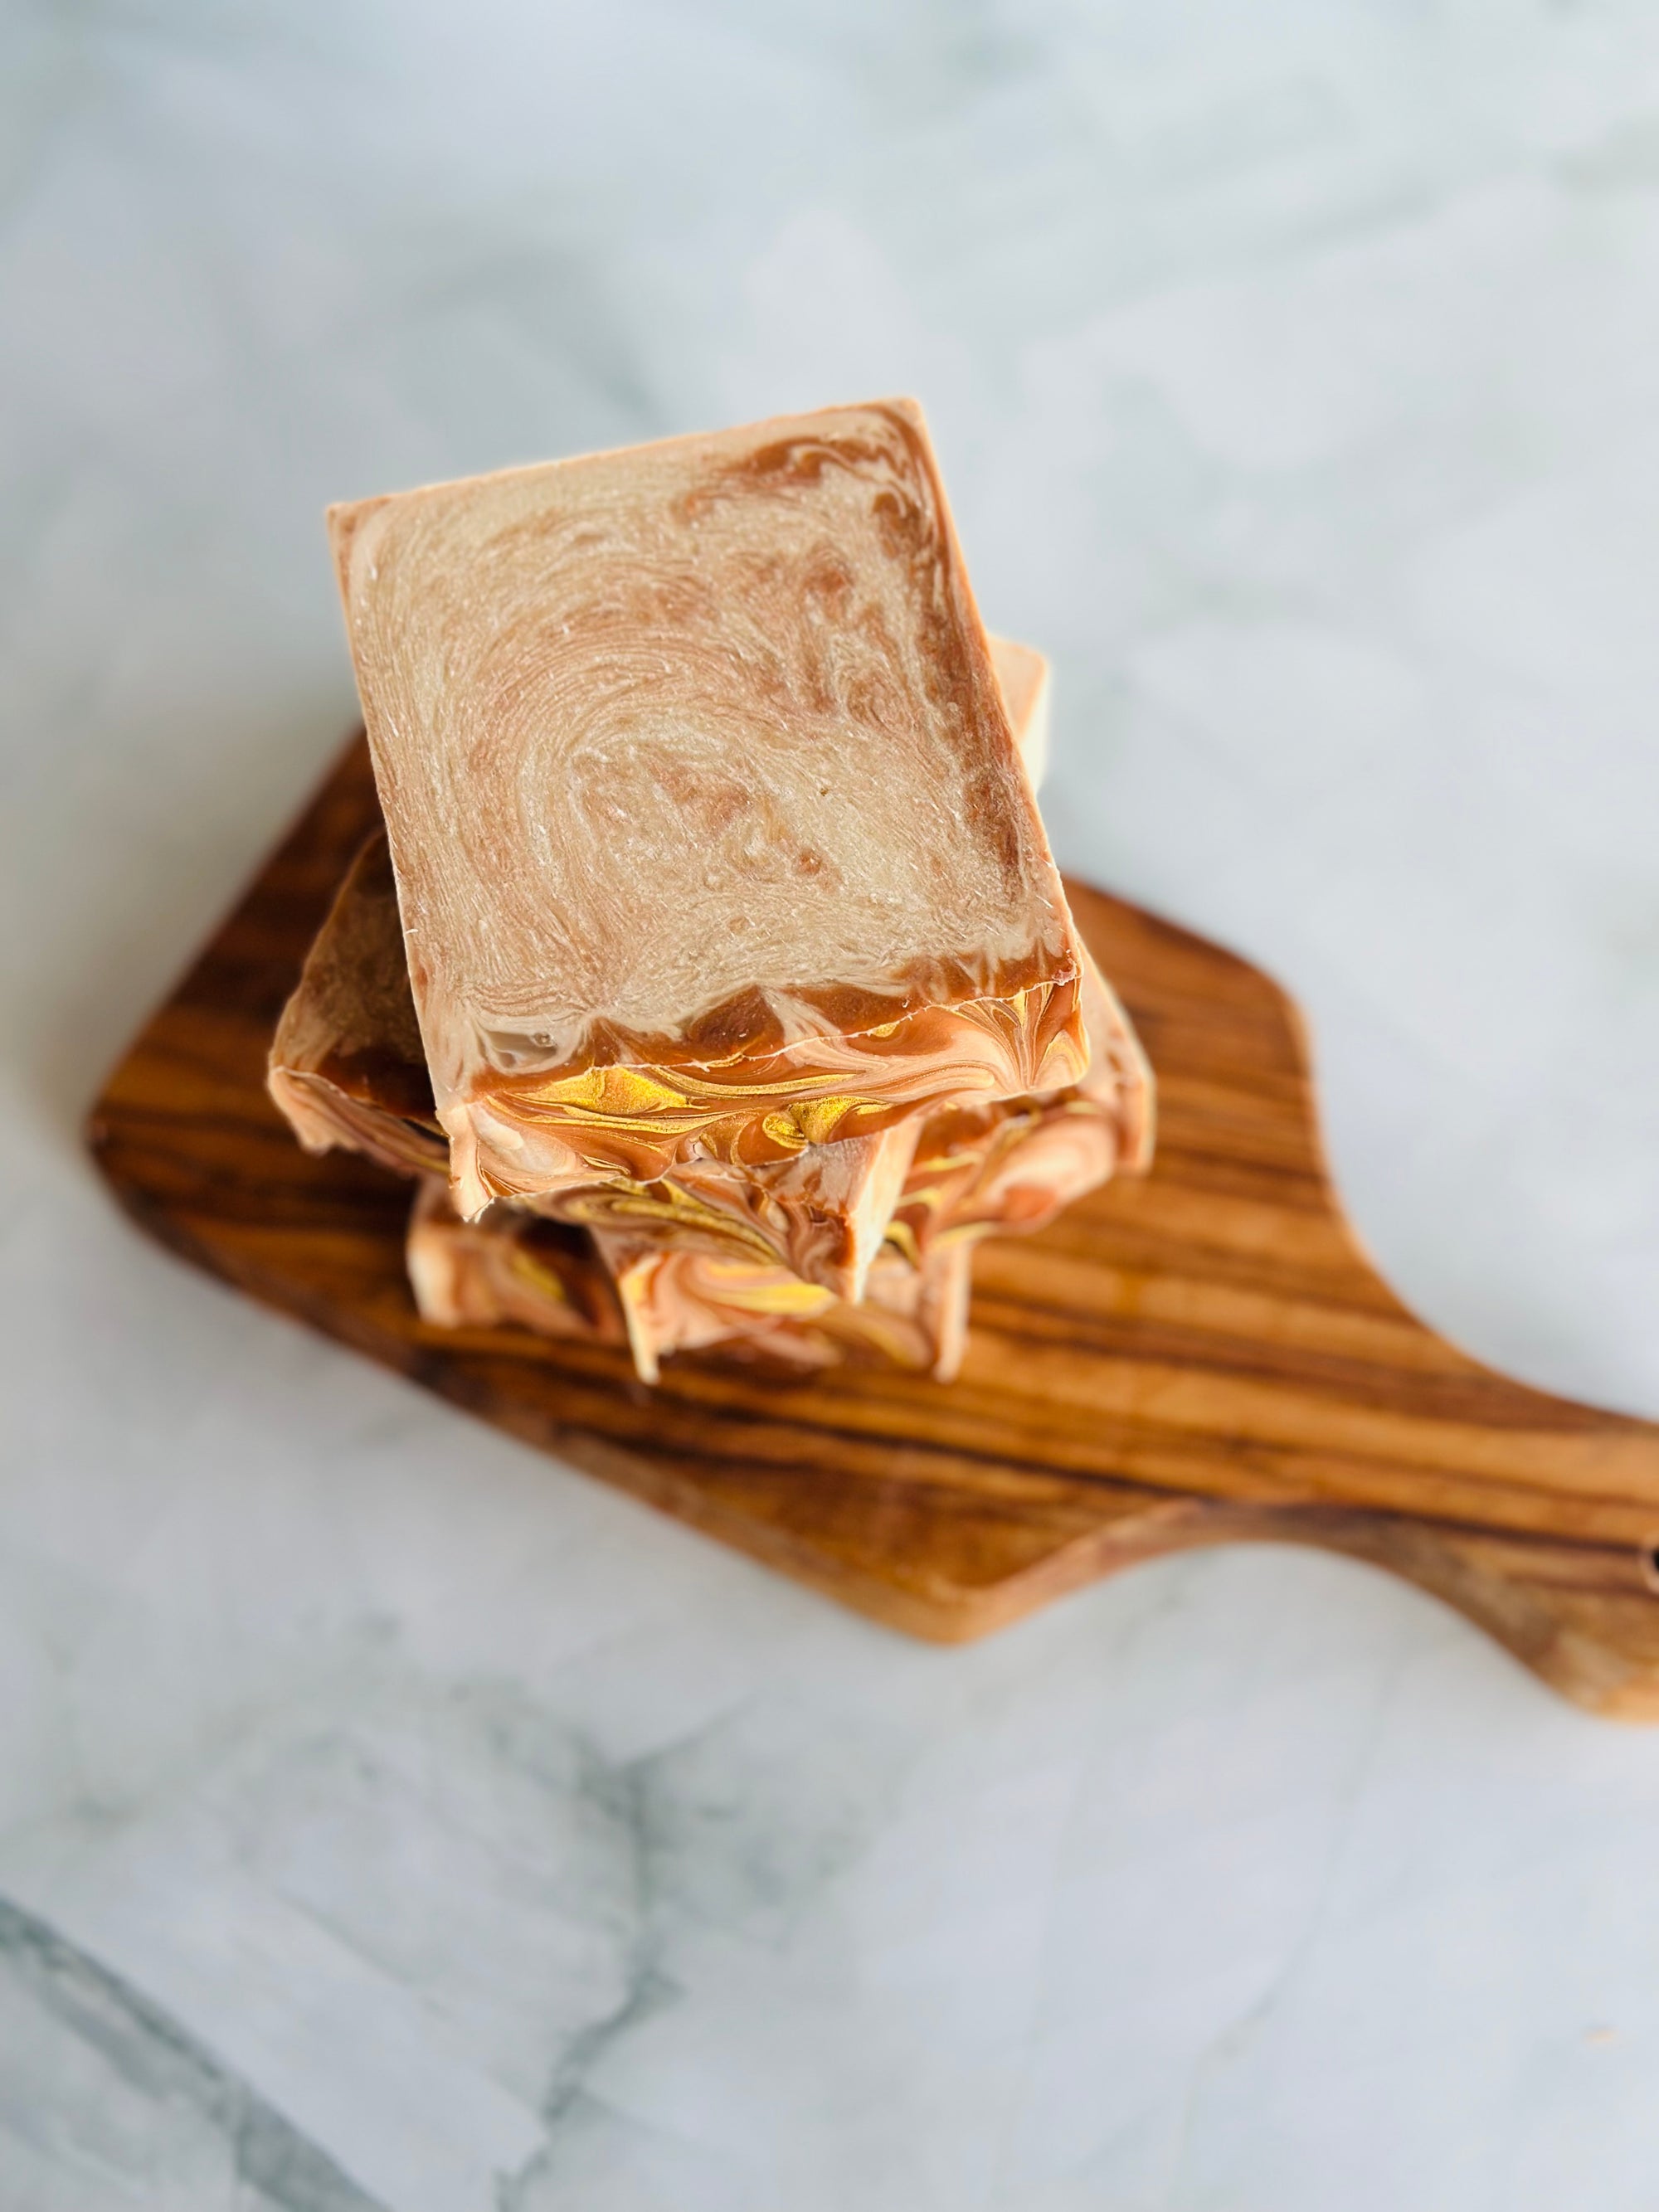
(1201, 1355)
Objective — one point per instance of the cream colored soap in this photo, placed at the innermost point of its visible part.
(708, 827)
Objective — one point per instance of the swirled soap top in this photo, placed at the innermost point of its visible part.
(692, 752)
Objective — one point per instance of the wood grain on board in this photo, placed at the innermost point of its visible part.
(1201, 1356)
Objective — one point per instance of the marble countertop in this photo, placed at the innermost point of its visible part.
(391, 1817)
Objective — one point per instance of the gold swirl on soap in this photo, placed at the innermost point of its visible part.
(694, 770)
(683, 1301)
(614, 1288)
(540, 1274)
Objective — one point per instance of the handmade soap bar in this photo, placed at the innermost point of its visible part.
(512, 1266)
(708, 823)
(673, 1302)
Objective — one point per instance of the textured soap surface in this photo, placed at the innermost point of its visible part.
(346, 1064)
(617, 1287)
(693, 755)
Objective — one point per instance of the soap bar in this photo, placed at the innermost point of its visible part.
(914, 1317)
(513, 1266)
(708, 824)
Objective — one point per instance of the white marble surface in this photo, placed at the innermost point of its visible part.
(390, 1818)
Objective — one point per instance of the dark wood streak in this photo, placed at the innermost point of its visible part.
(1205, 1355)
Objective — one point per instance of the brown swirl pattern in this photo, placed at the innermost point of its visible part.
(541, 1275)
(672, 1302)
(822, 1214)
(1010, 1169)
(512, 1267)
(695, 770)
(346, 1064)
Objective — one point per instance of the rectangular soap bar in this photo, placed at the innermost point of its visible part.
(708, 823)
(511, 1266)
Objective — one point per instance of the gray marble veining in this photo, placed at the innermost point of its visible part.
(390, 1818)
(106, 2101)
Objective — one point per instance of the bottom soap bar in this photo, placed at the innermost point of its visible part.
(606, 1288)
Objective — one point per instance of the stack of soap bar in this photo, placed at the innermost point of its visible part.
(712, 971)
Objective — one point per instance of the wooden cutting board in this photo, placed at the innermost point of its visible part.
(1201, 1356)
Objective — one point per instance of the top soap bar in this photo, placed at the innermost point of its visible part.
(708, 828)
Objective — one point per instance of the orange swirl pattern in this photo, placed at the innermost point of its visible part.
(698, 1301)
